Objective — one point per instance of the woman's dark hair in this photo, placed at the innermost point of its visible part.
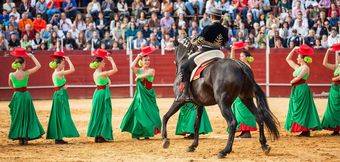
(246, 53)
(19, 60)
(98, 59)
(58, 60)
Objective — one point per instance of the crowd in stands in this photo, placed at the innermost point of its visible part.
(109, 24)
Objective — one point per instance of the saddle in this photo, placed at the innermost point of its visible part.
(203, 60)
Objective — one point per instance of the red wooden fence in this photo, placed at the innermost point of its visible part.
(280, 74)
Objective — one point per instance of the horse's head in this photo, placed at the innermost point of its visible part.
(182, 51)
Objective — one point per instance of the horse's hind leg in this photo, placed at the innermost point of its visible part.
(249, 102)
(194, 145)
(173, 109)
(225, 107)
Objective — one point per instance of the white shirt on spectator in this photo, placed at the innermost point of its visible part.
(209, 5)
(65, 25)
(332, 40)
(16, 15)
(139, 43)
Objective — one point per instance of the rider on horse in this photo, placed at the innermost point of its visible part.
(212, 37)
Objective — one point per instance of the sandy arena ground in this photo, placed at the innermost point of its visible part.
(319, 147)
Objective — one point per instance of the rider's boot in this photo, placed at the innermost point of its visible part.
(184, 95)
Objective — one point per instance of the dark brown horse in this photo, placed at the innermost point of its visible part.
(222, 82)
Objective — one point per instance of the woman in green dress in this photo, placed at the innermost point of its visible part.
(302, 115)
(246, 121)
(60, 124)
(100, 125)
(186, 121)
(25, 124)
(331, 117)
(142, 118)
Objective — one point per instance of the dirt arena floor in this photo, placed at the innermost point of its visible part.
(319, 147)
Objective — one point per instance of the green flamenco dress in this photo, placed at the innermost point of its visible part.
(101, 116)
(24, 121)
(142, 118)
(302, 114)
(246, 121)
(186, 121)
(331, 117)
(60, 124)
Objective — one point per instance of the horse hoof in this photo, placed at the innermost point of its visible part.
(190, 149)
(266, 150)
(221, 156)
(166, 143)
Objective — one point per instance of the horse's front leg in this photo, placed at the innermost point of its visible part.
(194, 145)
(173, 109)
(225, 106)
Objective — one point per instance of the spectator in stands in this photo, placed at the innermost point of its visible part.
(74, 31)
(3, 43)
(81, 41)
(154, 5)
(284, 32)
(166, 6)
(37, 42)
(334, 7)
(39, 23)
(24, 21)
(115, 46)
(167, 43)
(179, 7)
(25, 7)
(298, 8)
(60, 33)
(260, 41)
(41, 8)
(101, 24)
(137, 7)
(118, 32)
(8, 5)
(139, 42)
(70, 43)
(324, 41)
(53, 7)
(181, 35)
(123, 8)
(333, 38)
(13, 42)
(210, 4)
(4, 16)
(146, 32)
(318, 44)
(131, 31)
(325, 28)
(191, 4)
(94, 8)
(324, 4)
(173, 31)
(310, 38)
(142, 20)
(25, 42)
(79, 22)
(108, 8)
(107, 41)
(95, 41)
(15, 14)
(46, 33)
(29, 32)
(52, 44)
(65, 23)
(167, 21)
(11, 30)
(295, 39)
(334, 19)
(154, 22)
(55, 20)
(194, 26)
(153, 42)
(89, 32)
(70, 8)
(182, 23)
(205, 21)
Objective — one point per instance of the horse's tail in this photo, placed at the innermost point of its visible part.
(268, 117)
